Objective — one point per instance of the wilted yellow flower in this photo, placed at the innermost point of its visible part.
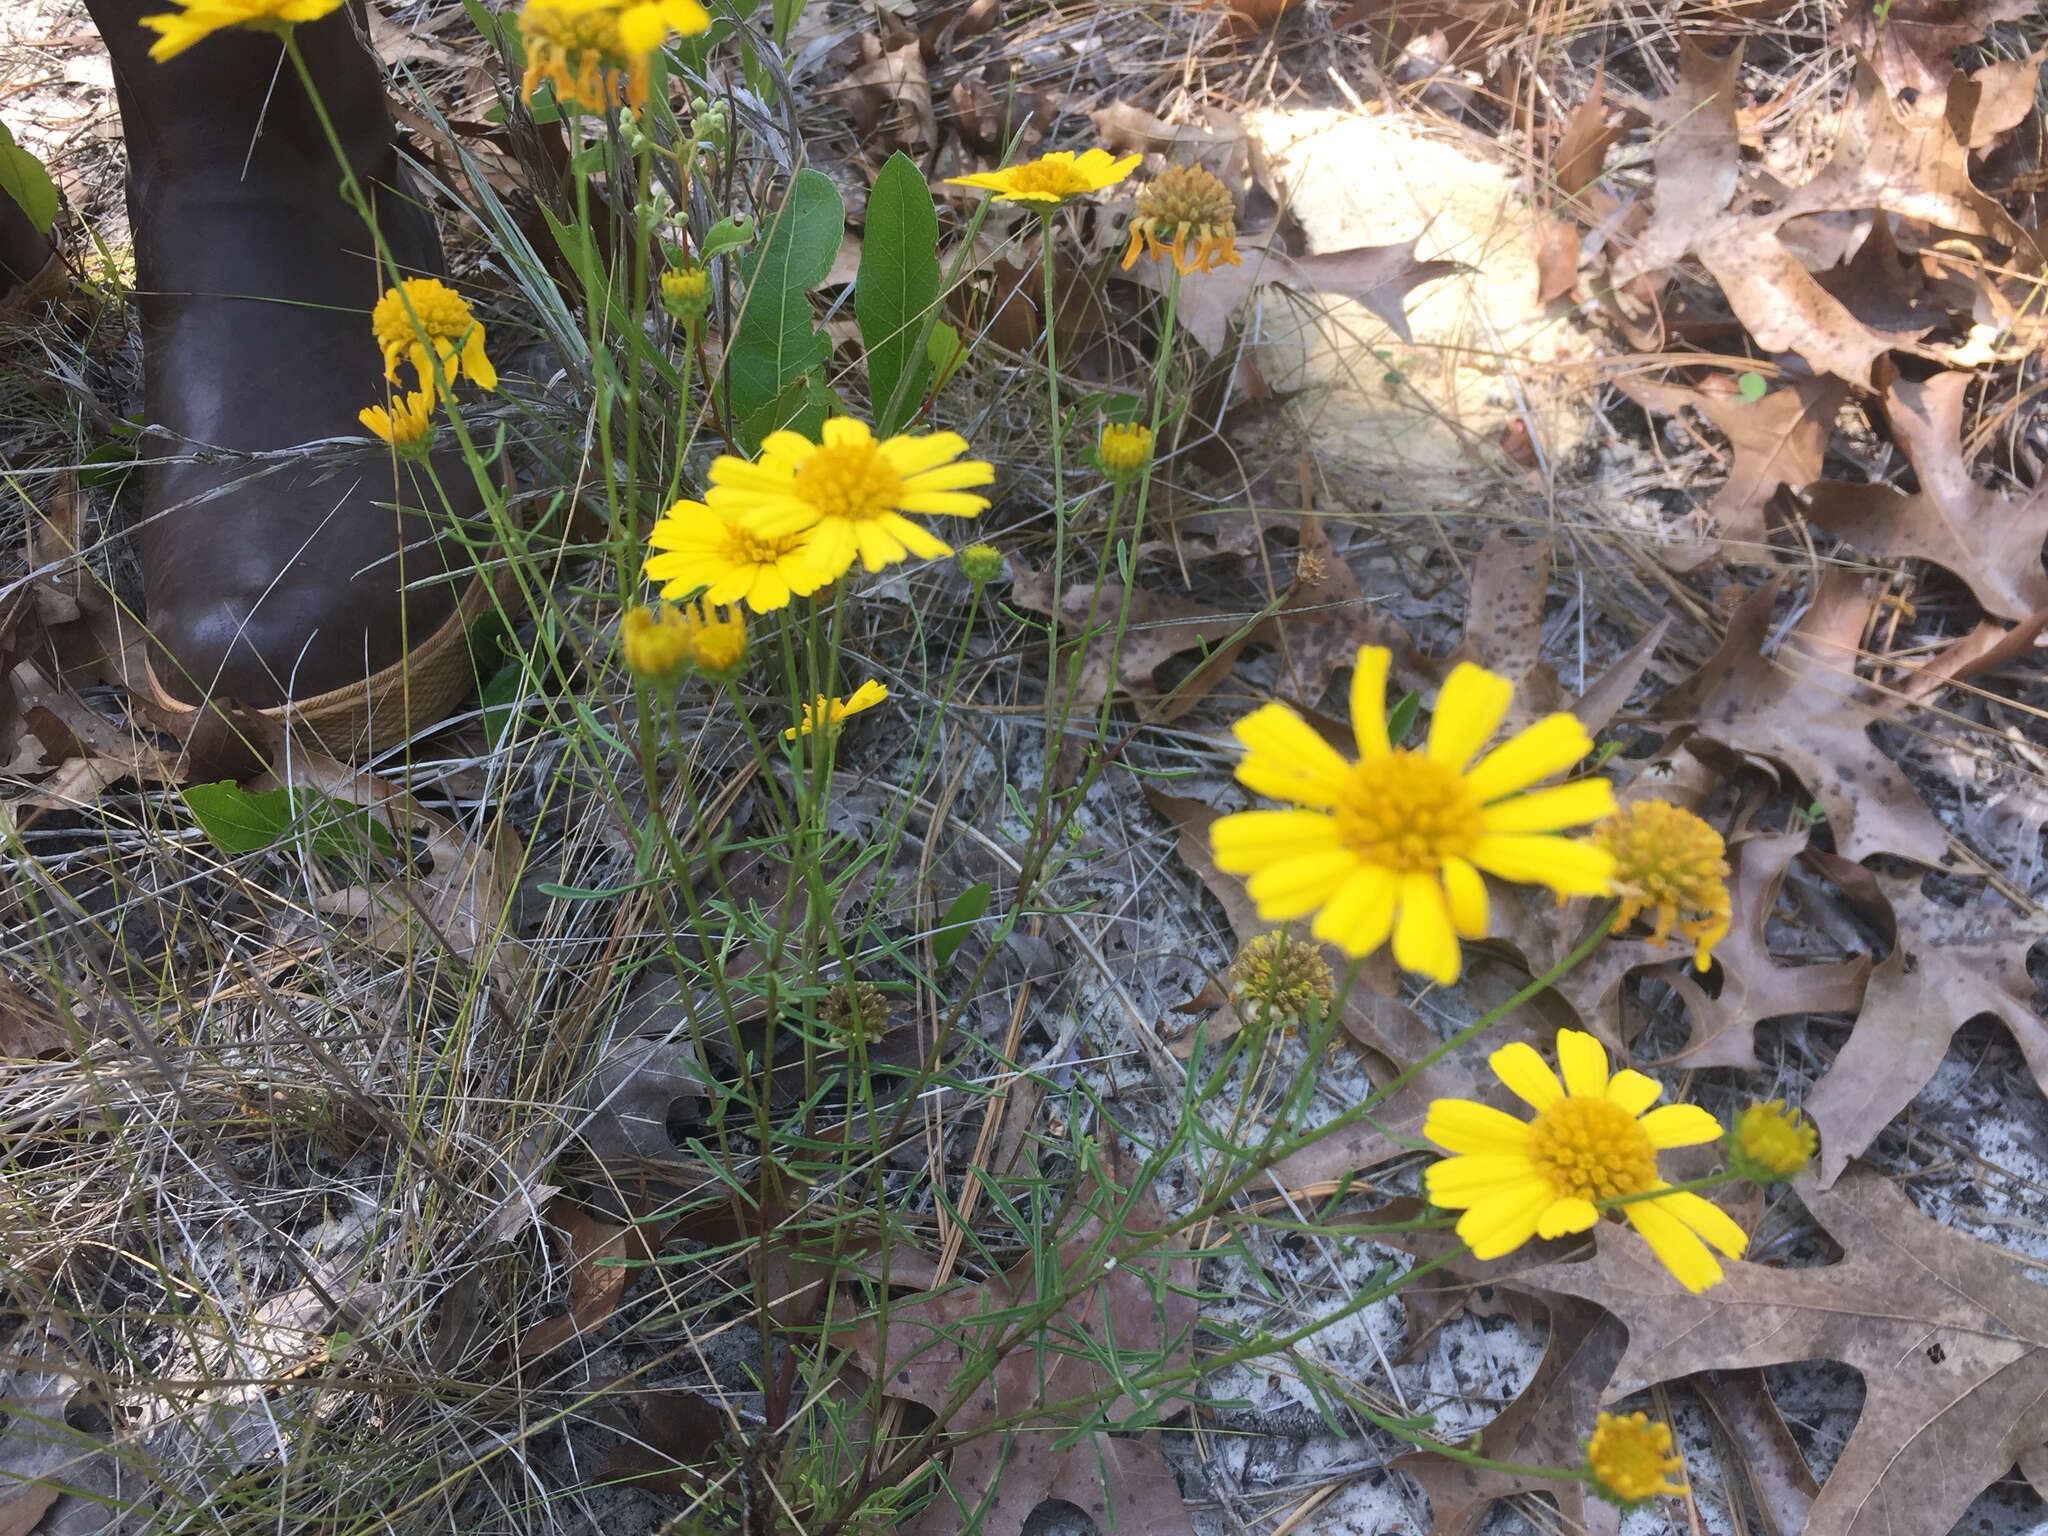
(1393, 844)
(1281, 978)
(200, 19)
(850, 492)
(1590, 1140)
(406, 422)
(1050, 180)
(1669, 863)
(718, 640)
(1125, 448)
(1632, 1459)
(595, 51)
(686, 293)
(832, 711)
(438, 316)
(710, 549)
(1186, 214)
(1770, 1143)
(656, 641)
(856, 1011)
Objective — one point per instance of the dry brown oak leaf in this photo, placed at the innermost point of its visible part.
(1990, 540)
(1125, 1305)
(1913, 42)
(1915, 166)
(1951, 1340)
(1806, 709)
(1948, 965)
(1775, 441)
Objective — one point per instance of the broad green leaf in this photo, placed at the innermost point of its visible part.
(240, 822)
(958, 922)
(802, 407)
(23, 178)
(777, 340)
(897, 285)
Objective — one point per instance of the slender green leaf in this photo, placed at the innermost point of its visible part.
(896, 287)
(777, 341)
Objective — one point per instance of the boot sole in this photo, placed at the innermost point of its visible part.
(387, 707)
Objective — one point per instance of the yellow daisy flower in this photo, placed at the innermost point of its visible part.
(718, 640)
(686, 293)
(1770, 1143)
(1125, 448)
(1670, 863)
(1632, 1459)
(1590, 1140)
(200, 19)
(832, 711)
(656, 641)
(595, 51)
(1186, 214)
(406, 422)
(1050, 180)
(851, 492)
(710, 549)
(1393, 844)
(443, 320)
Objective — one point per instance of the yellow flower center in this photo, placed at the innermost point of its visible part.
(1278, 978)
(573, 30)
(1406, 813)
(1048, 177)
(1592, 1149)
(1187, 197)
(1667, 854)
(443, 314)
(744, 548)
(1632, 1457)
(850, 480)
(1125, 447)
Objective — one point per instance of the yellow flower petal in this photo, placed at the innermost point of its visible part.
(1527, 1075)
(1287, 760)
(1424, 941)
(1463, 1125)
(1249, 840)
(1470, 708)
(1633, 1091)
(642, 28)
(1583, 1061)
(1361, 915)
(1566, 867)
(1505, 1221)
(1568, 1215)
(1549, 746)
(1680, 1125)
(1708, 1220)
(1677, 1247)
(1283, 892)
(1552, 809)
(1369, 700)
(1453, 1182)
(1466, 893)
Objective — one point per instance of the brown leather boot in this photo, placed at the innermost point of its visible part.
(287, 579)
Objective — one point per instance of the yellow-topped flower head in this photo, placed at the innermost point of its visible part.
(200, 19)
(832, 711)
(1669, 863)
(1281, 978)
(1186, 214)
(686, 293)
(710, 550)
(1392, 845)
(1590, 1140)
(980, 564)
(656, 641)
(1632, 1458)
(1051, 180)
(597, 51)
(1125, 448)
(1770, 1143)
(406, 422)
(850, 492)
(430, 313)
